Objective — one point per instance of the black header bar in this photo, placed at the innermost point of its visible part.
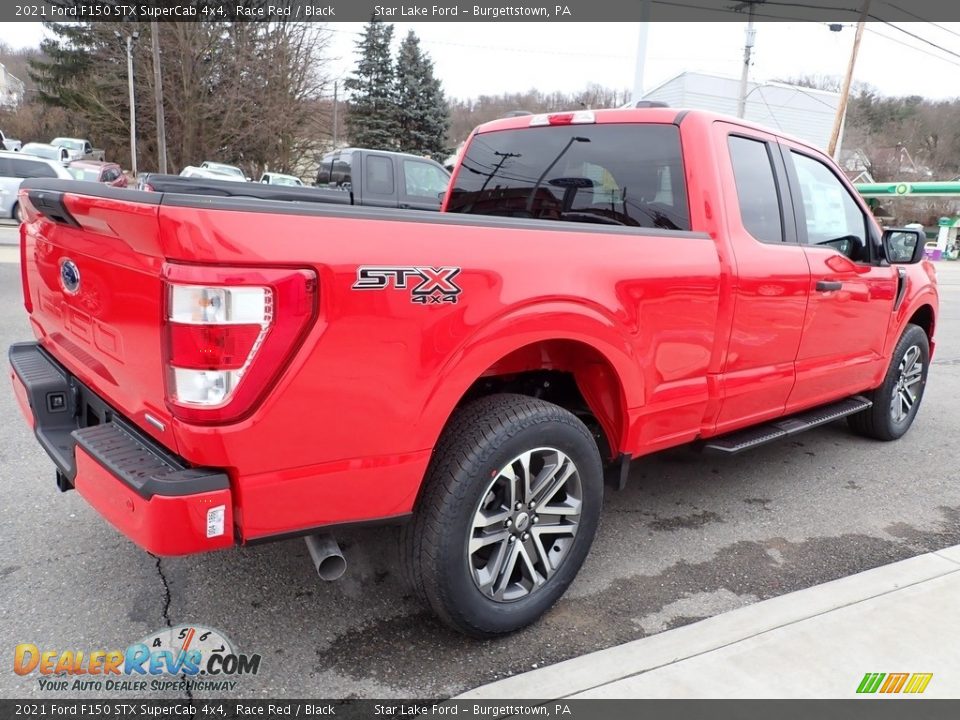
(478, 10)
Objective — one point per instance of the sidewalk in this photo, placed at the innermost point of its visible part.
(814, 643)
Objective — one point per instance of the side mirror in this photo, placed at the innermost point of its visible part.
(903, 246)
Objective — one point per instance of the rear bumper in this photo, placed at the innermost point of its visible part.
(149, 494)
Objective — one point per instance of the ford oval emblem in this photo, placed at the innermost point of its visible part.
(69, 277)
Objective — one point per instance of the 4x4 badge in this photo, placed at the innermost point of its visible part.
(428, 285)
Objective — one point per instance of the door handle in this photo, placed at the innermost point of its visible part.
(828, 285)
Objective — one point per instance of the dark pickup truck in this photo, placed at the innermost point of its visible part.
(346, 177)
(379, 178)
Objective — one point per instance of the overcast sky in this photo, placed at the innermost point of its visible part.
(489, 58)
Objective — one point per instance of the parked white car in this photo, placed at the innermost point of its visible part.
(280, 179)
(210, 174)
(15, 167)
(9, 143)
(57, 153)
(80, 148)
(224, 169)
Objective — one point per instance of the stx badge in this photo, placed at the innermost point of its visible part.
(428, 285)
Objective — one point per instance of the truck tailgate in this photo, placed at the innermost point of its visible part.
(92, 275)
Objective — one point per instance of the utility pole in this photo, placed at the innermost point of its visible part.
(158, 97)
(133, 110)
(845, 92)
(641, 50)
(336, 84)
(747, 55)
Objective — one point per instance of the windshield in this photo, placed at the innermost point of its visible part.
(44, 151)
(85, 174)
(285, 180)
(612, 174)
(226, 169)
(68, 143)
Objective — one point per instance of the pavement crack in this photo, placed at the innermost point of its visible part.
(165, 613)
(166, 592)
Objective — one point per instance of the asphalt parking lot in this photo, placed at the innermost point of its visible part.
(690, 537)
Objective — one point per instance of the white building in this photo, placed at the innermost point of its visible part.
(802, 112)
(11, 89)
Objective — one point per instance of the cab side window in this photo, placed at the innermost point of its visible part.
(379, 175)
(757, 192)
(831, 216)
(423, 179)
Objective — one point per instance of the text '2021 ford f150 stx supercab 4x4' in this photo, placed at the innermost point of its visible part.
(211, 371)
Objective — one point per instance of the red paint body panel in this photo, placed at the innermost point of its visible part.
(20, 393)
(161, 525)
(670, 338)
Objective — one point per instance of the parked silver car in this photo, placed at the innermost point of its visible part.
(15, 167)
(51, 152)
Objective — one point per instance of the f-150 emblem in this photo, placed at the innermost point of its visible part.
(427, 285)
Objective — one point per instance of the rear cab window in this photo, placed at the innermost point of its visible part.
(379, 175)
(627, 174)
(336, 170)
(757, 193)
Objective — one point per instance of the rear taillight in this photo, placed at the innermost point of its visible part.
(24, 283)
(29, 213)
(228, 334)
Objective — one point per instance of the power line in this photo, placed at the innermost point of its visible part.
(912, 47)
(501, 48)
(922, 19)
(921, 39)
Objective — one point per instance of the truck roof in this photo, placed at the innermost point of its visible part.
(632, 115)
(383, 152)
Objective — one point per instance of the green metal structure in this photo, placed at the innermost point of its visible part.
(947, 243)
(901, 189)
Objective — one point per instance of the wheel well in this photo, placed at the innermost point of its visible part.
(924, 318)
(569, 374)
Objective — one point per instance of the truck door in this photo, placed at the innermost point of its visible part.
(423, 183)
(851, 291)
(772, 279)
(379, 186)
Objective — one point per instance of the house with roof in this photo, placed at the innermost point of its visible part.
(11, 89)
(856, 166)
(802, 112)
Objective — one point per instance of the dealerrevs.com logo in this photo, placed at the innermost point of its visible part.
(178, 658)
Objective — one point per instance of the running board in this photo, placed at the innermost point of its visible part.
(768, 432)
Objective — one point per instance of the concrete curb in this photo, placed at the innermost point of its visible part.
(581, 674)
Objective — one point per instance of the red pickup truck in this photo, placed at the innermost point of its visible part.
(212, 371)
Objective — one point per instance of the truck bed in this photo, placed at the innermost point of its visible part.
(261, 191)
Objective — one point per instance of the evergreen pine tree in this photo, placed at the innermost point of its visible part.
(424, 116)
(66, 64)
(372, 120)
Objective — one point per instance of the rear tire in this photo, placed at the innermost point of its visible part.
(508, 511)
(17, 213)
(897, 400)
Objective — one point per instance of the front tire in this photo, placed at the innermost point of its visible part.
(897, 400)
(17, 213)
(509, 509)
